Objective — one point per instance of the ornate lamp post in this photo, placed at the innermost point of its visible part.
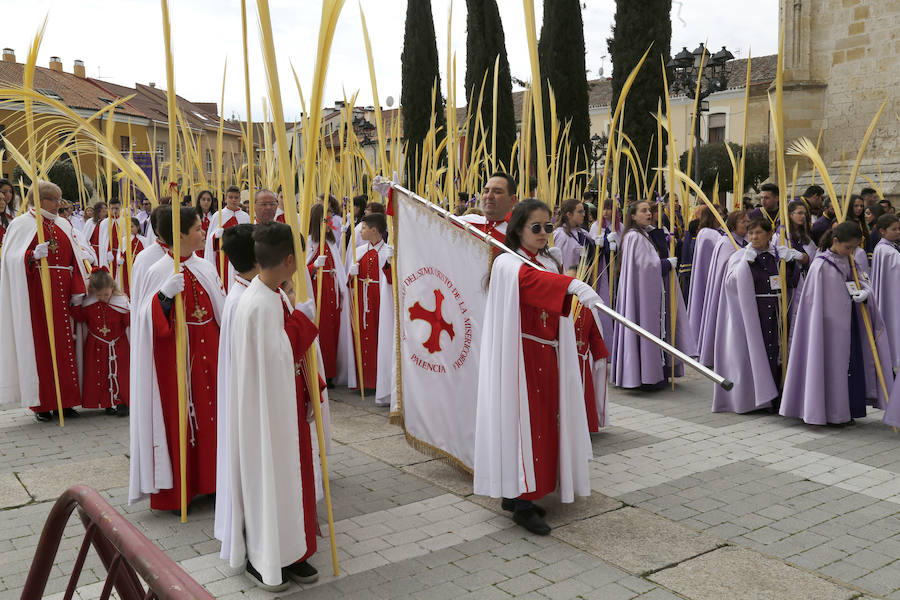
(686, 68)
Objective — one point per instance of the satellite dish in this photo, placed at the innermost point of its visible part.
(389, 101)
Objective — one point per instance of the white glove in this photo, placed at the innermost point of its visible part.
(218, 233)
(860, 296)
(41, 251)
(788, 254)
(382, 185)
(600, 240)
(353, 271)
(585, 293)
(613, 237)
(673, 262)
(77, 299)
(320, 262)
(173, 286)
(308, 308)
(109, 256)
(749, 254)
(88, 256)
(120, 260)
(613, 246)
(389, 252)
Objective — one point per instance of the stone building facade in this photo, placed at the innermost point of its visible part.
(842, 60)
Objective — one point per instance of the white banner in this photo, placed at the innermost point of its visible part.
(442, 279)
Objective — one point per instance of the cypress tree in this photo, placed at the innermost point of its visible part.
(637, 25)
(420, 74)
(484, 42)
(561, 51)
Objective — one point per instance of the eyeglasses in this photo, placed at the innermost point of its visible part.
(536, 227)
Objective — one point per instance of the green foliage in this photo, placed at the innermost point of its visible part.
(561, 50)
(637, 26)
(714, 161)
(484, 42)
(420, 75)
(62, 173)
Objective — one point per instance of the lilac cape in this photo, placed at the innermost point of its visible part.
(706, 326)
(885, 276)
(643, 298)
(816, 387)
(739, 350)
(569, 246)
(704, 244)
(892, 411)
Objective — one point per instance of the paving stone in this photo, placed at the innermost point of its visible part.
(393, 450)
(50, 481)
(738, 574)
(11, 491)
(635, 540)
(443, 475)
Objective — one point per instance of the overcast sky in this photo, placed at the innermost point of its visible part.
(121, 40)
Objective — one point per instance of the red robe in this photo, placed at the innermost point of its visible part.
(65, 282)
(369, 296)
(590, 345)
(202, 343)
(2, 233)
(95, 240)
(302, 333)
(215, 243)
(542, 301)
(204, 225)
(136, 247)
(105, 354)
(329, 311)
(113, 246)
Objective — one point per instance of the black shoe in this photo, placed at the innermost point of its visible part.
(110, 410)
(329, 383)
(122, 410)
(510, 504)
(531, 520)
(43, 417)
(70, 413)
(301, 572)
(254, 576)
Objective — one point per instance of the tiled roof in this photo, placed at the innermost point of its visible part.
(73, 91)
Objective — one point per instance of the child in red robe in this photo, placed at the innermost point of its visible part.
(105, 314)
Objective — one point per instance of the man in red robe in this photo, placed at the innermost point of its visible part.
(26, 371)
(153, 338)
(109, 236)
(266, 207)
(497, 201)
(371, 272)
(219, 221)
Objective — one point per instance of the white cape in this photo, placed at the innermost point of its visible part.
(267, 523)
(151, 466)
(208, 253)
(18, 364)
(504, 463)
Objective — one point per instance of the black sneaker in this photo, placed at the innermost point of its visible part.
(301, 572)
(531, 520)
(122, 410)
(70, 413)
(109, 410)
(43, 417)
(510, 505)
(254, 576)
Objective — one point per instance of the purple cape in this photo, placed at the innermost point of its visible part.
(892, 411)
(718, 264)
(816, 388)
(740, 353)
(885, 276)
(704, 245)
(643, 297)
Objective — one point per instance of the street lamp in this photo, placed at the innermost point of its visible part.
(598, 147)
(686, 67)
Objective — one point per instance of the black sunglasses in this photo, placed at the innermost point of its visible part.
(536, 227)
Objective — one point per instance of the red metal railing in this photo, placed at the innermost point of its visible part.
(127, 554)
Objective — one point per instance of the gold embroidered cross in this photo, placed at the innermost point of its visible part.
(52, 245)
(580, 345)
(298, 368)
(544, 316)
(199, 313)
(104, 330)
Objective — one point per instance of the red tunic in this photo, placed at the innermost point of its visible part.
(215, 243)
(368, 300)
(204, 225)
(329, 311)
(589, 341)
(136, 248)
(113, 246)
(542, 301)
(202, 343)
(105, 355)
(302, 333)
(2, 233)
(95, 239)
(65, 282)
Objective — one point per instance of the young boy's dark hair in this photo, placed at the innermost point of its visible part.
(272, 243)
(238, 244)
(376, 220)
(189, 216)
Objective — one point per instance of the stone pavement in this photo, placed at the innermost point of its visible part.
(685, 504)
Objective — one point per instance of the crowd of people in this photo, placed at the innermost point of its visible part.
(803, 316)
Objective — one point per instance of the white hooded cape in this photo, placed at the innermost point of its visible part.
(504, 463)
(264, 452)
(18, 364)
(151, 466)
